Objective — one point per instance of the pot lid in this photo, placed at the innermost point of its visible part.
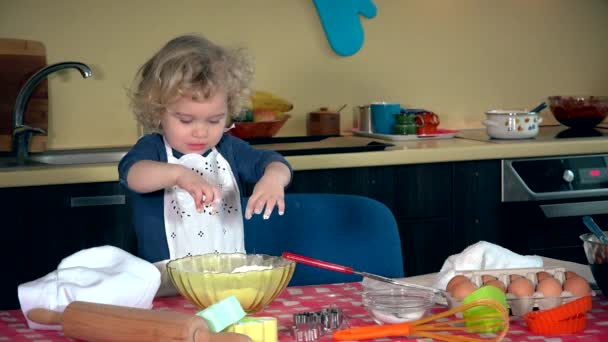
(509, 112)
(325, 110)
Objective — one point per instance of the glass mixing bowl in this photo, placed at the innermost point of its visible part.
(255, 279)
(397, 305)
(579, 112)
(597, 256)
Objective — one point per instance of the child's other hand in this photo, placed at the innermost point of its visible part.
(202, 192)
(269, 191)
(265, 195)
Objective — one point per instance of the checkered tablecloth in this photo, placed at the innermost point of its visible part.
(314, 298)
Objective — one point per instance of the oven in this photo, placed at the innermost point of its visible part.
(544, 199)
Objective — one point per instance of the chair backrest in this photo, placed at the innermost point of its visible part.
(349, 230)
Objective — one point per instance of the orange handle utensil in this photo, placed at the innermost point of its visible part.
(436, 330)
(375, 331)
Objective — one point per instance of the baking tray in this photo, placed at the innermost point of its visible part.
(441, 134)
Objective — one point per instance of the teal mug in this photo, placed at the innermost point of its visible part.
(383, 116)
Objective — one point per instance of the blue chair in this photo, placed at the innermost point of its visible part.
(349, 230)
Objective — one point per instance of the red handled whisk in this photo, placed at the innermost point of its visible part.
(481, 315)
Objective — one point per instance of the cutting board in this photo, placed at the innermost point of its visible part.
(20, 59)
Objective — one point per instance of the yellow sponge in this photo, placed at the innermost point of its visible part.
(259, 329)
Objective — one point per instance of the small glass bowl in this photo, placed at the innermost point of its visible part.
(397, 305)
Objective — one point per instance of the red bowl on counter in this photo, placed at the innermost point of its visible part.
(262, 129)
(581, 112)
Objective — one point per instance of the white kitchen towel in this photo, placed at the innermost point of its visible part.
(483, 256)
(106, 274)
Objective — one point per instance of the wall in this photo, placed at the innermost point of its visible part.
(455, 57)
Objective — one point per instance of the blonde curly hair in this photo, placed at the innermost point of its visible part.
(192, 65)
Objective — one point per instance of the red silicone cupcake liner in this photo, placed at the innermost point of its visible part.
(563, 311)
(565, 319)
(568, 326)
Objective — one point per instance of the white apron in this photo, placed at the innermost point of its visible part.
(214, 230)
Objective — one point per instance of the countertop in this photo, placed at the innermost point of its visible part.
(404, 152)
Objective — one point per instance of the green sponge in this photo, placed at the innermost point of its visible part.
(223, 314)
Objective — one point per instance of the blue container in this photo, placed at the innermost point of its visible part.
(383, 117)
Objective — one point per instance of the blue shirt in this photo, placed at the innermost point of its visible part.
(247, 163)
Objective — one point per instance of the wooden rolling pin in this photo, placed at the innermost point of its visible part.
(103, 322)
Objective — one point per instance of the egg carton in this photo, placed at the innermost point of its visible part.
(520, 305)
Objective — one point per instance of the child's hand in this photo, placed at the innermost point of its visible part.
(269, 191)
(202, 192)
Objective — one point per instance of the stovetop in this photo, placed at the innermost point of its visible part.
(545, 134)
(319, 144)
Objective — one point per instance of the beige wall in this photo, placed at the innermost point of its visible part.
(455, 57)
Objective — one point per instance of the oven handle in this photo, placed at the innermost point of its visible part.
(514, 189)
(575, 209)
(94, 201)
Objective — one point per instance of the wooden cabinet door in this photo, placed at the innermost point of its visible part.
(477, 204)
(411, 191)
(425, 244)
(52, 222)
(422, 191)
(14, 250)
(99, 214)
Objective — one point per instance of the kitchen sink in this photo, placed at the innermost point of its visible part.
(71, 157)
(67, 157)
(10, 162)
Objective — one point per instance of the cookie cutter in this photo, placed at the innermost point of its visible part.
(310, 326)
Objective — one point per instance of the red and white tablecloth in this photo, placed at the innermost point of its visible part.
(314, 298)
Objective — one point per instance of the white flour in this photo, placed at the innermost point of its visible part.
(393, 318)
(248, 268)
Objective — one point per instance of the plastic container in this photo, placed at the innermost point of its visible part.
(520, 305)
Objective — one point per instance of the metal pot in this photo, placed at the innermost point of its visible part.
(512, 124)
(362, 118)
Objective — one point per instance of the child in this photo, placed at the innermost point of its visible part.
(185, 180)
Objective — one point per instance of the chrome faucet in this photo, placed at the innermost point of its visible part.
(23, 133)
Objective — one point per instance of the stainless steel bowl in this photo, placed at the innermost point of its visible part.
(597, 256)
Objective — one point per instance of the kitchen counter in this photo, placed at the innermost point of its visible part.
(404, 152)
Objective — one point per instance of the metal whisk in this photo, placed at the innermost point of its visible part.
(439, 330)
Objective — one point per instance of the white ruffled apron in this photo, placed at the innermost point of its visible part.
(218, 228)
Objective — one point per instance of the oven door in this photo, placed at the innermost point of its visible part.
(544, 199)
